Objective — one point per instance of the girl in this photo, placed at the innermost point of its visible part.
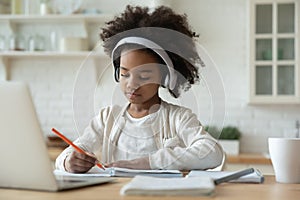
(147, 133)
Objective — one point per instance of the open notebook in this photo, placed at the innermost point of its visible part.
(122, 172)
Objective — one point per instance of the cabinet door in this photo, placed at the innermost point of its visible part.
(274, 65)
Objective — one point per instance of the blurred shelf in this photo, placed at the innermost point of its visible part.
(24, 54)
(52, 18)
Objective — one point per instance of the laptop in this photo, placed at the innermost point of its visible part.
(25, 162)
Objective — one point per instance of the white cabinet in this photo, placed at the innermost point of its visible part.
(25, 27)
(274, 51)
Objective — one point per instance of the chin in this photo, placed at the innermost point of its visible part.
(134, 101)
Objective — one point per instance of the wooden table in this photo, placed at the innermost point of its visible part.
(244, 158)
(247, 160)
(231, 191)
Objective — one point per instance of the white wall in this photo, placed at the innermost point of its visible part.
(223, 29)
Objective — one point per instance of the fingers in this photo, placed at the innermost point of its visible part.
(79, 163)
(86, 157)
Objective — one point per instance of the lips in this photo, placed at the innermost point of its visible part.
(131, 95)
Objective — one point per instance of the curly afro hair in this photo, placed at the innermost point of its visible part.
(185, 57)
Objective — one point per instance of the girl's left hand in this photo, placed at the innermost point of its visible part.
(139, 163)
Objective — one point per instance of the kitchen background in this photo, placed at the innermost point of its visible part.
(52, 60)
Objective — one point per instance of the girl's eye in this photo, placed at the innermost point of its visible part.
(144, 78)
(125, 75)
(141, 77)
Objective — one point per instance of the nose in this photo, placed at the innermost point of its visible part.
(133, 83)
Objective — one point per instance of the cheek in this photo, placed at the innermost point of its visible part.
(152, 88)
(122, 84)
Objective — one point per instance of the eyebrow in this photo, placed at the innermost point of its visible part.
(124, 68)
(143, 70)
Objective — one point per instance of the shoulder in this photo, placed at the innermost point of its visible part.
(179, 116)
(110, 111)
(176, 110)
(174, 107)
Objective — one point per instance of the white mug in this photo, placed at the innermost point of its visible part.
(285, 157)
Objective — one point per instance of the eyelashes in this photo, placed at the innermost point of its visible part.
(140, 77)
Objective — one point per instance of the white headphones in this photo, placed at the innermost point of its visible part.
(171, 78)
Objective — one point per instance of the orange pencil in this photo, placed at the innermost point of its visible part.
(73, 145)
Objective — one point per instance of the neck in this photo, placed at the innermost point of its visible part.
(146, 108)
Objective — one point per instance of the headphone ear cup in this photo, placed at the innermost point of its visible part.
(117, 74)
(167, 80)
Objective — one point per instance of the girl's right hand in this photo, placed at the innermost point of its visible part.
(79, 163)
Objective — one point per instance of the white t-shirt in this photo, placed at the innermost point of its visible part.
(137, 143)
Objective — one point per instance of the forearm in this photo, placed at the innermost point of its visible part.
(90, 141)
(59, 162)
(204, 154)
(139, 163)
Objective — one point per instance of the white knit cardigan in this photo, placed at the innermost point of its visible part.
(181, 140)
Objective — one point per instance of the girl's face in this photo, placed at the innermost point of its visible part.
(140, 76)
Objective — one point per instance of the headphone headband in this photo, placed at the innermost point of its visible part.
(171, 80)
